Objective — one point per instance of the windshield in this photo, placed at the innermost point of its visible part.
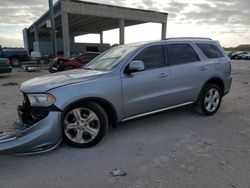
(109, 59)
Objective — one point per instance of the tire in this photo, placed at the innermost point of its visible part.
(50, 59)
(41, 61)
(80, 132)
(15, 62)
(68, 67)
(209, 100)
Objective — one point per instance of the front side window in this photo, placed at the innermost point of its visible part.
(210, 50)
(181, 53)
(153, 57)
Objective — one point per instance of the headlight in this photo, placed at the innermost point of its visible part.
(41, 100)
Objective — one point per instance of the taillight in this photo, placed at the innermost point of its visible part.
(7, 62)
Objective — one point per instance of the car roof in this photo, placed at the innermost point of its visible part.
(179, 39)
(165, 41)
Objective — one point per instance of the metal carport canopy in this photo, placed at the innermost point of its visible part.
(75, 17)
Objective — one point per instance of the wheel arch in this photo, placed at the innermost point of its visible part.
(215, 80)
(106, 105)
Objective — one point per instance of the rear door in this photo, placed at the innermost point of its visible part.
(147, 90)
(188, 72)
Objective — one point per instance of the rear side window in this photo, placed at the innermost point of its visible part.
(153, 57)
(181, 53)
(210, 50)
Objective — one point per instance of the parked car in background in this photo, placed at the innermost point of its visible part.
(247, 56)
(5, 66)
(63, 64)
(41, 59)
(243, 55)
(15, 55)
(238, 55)
(45, 59)
(123, 83)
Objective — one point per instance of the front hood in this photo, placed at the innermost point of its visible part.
(47, 82)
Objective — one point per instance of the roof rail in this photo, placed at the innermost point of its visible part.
(197, 38)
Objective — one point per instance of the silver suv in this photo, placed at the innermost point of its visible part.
(121, 84)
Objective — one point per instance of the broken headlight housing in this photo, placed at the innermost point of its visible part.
(41, 100)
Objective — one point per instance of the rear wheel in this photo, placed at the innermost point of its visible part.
(15, 62)
(84, 125)
(209, 100)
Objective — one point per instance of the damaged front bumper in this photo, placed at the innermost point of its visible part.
(44, 135)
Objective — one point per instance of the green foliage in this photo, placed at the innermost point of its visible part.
(245, 47)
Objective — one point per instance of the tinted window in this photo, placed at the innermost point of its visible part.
(210, 50)
(153, 57)
(181, 53)
(110, 59)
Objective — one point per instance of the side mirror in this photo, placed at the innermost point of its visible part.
(135, 66)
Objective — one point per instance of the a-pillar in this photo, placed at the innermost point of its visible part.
(121, 31)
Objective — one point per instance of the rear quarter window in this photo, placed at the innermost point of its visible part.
(210, 50)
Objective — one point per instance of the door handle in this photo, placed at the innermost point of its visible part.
(203, 68)
(163, 75)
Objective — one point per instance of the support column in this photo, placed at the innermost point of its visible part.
(65, 32)
(36, 33)
(101, 37)
(36, 43)
(121, 29)
(72, 39)
(163, 30)
(26, 39)
(53, 31)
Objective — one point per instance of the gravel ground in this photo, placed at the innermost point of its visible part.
(177, 148)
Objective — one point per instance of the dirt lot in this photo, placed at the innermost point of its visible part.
(177, 148)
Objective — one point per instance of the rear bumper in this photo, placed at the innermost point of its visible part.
(40, 137)
(228, 84)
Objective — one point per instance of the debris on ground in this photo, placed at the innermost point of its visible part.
(31, 68)
(224, 163)
(117, 172)
(10, 84)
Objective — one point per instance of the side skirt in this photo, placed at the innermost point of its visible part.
(156, 111)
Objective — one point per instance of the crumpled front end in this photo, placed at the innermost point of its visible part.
(39, 131)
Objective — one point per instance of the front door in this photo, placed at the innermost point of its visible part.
(147, 90)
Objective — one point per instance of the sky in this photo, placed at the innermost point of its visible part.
(224, 20)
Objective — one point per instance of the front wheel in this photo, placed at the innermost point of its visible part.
(209, 100)
(84, 125)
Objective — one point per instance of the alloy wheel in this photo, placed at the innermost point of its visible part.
(212, 100)
(81, 125)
